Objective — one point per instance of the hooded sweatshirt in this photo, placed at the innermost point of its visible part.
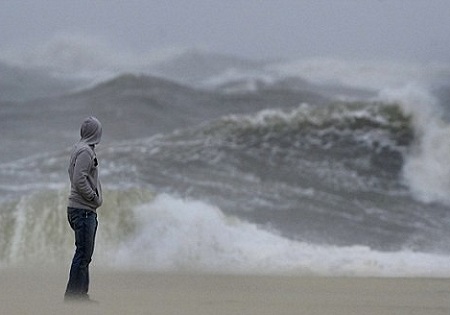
(85, 187)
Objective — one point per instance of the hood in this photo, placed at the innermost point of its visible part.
(91, 131)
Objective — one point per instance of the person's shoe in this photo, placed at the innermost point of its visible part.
(73, 297)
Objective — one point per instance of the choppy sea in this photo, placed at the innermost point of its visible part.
(305, 167)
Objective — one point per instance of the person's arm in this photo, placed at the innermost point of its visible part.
(80, 176)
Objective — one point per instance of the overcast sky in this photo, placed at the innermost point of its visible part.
(389, 29)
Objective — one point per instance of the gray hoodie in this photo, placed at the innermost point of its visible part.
(85, 190)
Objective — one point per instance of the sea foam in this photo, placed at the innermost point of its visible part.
(426, 170)
(175, 234)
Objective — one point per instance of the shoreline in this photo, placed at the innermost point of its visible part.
(39, 291)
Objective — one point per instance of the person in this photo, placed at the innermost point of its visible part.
(84, 199)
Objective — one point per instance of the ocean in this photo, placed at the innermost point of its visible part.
(304, 167)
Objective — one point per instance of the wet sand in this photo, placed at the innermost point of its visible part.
(24, 291)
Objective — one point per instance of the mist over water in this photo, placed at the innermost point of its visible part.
(220, 164)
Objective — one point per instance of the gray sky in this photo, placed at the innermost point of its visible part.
(417, 30)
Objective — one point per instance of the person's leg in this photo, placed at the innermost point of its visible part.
(84, 224)
(90, 232)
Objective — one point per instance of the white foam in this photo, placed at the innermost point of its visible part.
(426, 170)
(175, 234)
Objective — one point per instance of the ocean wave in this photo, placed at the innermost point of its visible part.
(174, 234)
(164, 233)
(373, 123)
(34, 228)
(339, 169)
(426, 171)
(323, 175)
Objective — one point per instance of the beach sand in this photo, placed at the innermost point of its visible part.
(40, 291)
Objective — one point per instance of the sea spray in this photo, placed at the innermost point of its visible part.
(426, 170)
(174, 234)
(34, 228)
(167, 233)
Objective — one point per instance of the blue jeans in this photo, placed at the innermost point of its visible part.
(84, 223)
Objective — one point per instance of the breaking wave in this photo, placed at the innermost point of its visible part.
(292, 182)
(140, 231)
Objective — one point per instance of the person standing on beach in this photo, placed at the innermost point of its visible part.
(84, 199)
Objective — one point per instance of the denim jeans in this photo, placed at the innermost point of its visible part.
(84, 223)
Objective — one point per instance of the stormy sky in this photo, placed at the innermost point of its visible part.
(417, 30)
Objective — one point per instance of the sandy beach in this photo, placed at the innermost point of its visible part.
(24, 291)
